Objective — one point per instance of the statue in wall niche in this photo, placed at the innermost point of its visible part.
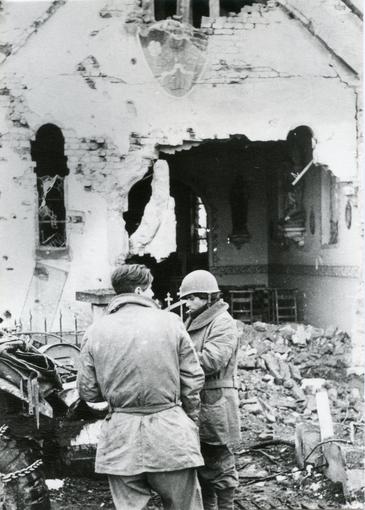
(238, 198)
(291, 224)
(292, 215)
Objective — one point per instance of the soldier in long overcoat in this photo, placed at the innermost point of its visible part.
(141, 361)
(215, 338)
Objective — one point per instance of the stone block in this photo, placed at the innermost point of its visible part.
(307, 436)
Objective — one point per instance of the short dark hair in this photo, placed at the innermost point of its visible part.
(127, 277)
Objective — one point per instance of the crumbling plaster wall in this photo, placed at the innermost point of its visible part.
(97, 87)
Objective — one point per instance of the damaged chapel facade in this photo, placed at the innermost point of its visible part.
(221, 134)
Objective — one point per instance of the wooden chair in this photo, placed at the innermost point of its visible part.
(261, 304)
(241, 304)
(283, 305)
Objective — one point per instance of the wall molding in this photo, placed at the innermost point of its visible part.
(290, 269)
(242, 269)
(322, 270)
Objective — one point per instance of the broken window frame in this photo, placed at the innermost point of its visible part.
(47, 151)
(47, 216)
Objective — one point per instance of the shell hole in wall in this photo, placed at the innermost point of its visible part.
(138, 197)
(191, 234)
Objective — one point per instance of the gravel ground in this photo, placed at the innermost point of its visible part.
(293, 490)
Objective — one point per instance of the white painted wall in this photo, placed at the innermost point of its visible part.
(265, 75)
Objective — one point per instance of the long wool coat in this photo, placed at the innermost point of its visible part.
(215, 338)
(141, 360)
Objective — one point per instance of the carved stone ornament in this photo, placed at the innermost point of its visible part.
(175, 53)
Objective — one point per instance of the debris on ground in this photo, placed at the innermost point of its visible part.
(281, 369)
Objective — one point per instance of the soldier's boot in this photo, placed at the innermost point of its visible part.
(226, 498)
(209, 498)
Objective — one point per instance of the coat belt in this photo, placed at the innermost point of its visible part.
(143, 410)
(212, 382)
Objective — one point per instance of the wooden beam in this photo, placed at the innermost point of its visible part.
(324, 415)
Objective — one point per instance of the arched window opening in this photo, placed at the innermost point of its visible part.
(48, 152)
(300, 146)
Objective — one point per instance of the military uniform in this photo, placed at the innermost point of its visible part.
(215, 338)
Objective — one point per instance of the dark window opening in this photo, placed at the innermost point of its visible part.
(300, 147)
(200, 9)
(165, 9)
(227, 6)
(138, 198)
(48, 152)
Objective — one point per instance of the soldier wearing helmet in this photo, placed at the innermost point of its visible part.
(215, 338)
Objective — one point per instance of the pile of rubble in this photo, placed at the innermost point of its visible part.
(281, 367)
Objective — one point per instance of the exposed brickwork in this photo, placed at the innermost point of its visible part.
(106, 158)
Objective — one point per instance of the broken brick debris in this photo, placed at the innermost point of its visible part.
(281, 368)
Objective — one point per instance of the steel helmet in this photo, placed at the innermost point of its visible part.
(197, 282)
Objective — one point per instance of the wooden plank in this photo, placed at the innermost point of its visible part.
(336, 470)
(324, 415)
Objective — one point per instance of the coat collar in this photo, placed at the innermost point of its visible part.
(129, 299)
(207, 316)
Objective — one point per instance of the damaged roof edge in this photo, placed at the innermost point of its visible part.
(356, 9)
(330, 35)
(12, 47)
